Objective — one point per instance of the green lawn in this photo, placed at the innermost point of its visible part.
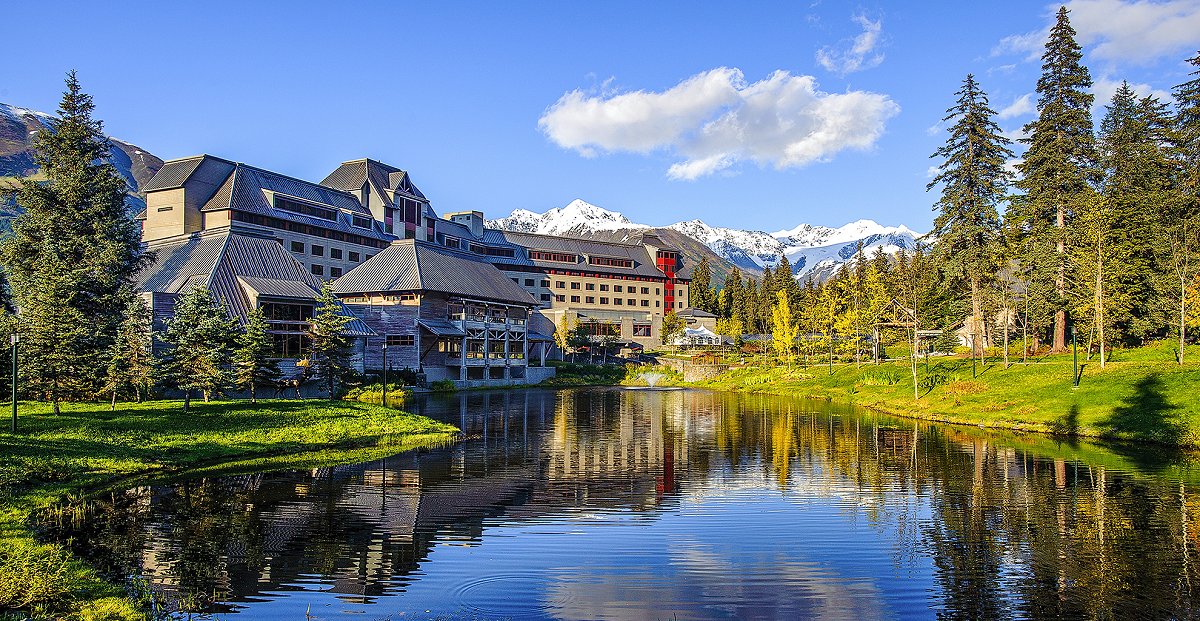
(87, 447)
(1141, 394)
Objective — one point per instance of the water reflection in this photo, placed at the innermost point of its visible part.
(604, 503)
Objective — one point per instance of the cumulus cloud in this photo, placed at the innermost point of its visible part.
(859, 55)
(1137, 31)
(1022, 106)
(1105, 87)
(716, 119)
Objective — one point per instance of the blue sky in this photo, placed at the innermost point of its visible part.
(665, 112)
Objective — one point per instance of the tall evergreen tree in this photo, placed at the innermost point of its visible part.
(254, 362)
(700, 288)
(330, 342)
(973, 181)
(131, 363)
(1180, 231)
(1058, 168)
(75, 235)
(201, 338)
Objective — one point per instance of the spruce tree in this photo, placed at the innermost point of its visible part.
(1179, 232)
(1115, 258)
(973, 181)
(201, 337)
(1058, 168)
(330, 342)
(701, 287)
(131, 362)
(254, 362)
(75, 235)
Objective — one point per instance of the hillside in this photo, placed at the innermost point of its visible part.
(17, 129)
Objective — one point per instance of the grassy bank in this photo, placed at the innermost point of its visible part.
(87, 447)
(1141, 394)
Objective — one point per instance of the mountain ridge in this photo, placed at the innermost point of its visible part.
(815, 252)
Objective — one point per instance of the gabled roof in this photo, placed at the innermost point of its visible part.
(383, 178)
(695, 312)
(236, 267)
(410, 265)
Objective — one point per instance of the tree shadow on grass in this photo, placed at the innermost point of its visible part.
(1067, 425)
(1146, 414)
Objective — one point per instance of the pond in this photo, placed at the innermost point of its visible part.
(604, 503)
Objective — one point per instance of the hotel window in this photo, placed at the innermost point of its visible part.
(401, 340)
(679, 293)
(318, 270)
(590, 300)
(560, 298)
(305, 208)
(645, 302)
(591, 286)
(575, 299)
(656, 303)
(403, 297)
(515, 280)
(657, 291)
(317, 251)
(560, 257)
(645, 290)
(610, 262)
(574, 285)
(617, 288)
(528, 282)
(641, 329)
(355, 257)
(546, 283)
(603, 300)
(361, 222)
(603, 287)
(632, 302)
(558, 284)
(335, 272)
(297, 246)
(545, 297)
(335, 253)
(618, 301)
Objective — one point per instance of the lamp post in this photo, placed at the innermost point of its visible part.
(13, 339)
(1075, 356)
(385, 370)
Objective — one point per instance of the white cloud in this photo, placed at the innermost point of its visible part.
(859, 55)
(715, 119)
(1022, 106)
(1136, 31)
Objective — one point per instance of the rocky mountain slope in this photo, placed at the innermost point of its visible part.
(815, 252)
(17, 129)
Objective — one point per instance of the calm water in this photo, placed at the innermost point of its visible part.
(618, 504)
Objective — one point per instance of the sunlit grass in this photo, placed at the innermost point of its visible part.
(87, 447)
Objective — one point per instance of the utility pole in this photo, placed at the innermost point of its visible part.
(385, 370)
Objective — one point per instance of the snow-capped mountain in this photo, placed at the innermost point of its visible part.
(578, 217)
(815, 252)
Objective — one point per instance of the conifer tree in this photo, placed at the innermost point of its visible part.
(701, 287)
(201, 337)
(1058, 168)
(75, 236)
(131, 363)
(330, 342)
(1180, 231)
(253, 360)
(973, 181)
(737, 295)
(751, 317)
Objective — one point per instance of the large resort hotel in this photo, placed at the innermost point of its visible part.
(446, 297)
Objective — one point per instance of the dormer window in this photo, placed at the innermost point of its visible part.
(546, 255)
(610, 262)
(305, 208)
(361, 222)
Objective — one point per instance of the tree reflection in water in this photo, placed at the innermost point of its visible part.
(719, 503)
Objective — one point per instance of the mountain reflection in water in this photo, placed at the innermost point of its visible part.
(612, 504)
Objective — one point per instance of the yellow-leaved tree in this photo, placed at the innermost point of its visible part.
(784, 328)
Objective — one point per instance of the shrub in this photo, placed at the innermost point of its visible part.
(34, 577)
(442, 386)
(373, 394)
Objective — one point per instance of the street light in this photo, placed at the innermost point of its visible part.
(385, 377)
(13, 339)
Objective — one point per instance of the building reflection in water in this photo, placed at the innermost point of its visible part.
(854, 514)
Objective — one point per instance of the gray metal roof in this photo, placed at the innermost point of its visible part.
(173, 174)
(228, 261)
(441, 327)
(642, 261)
(384, 179)
(409, 265)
